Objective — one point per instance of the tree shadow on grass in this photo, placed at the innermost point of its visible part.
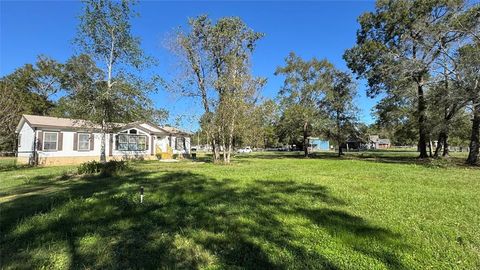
(187, 221)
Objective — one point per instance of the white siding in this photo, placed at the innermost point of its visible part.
(67, 151)
(67, 147)
(162, 142)
(25, 149)
(27, 136)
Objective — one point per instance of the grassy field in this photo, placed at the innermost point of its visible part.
(376, 210)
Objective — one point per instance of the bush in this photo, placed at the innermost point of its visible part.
(106, 169)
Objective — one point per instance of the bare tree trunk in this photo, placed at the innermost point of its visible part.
(305, 139)
(337, 119)
(446, 151)
(422, 140)
(430, 146)
(213, 143)
(214, 150)
(222, 141)
(103, 156)
(218, 138)
(224, 152)
(474, 137)
(230, 137)
(441, 139)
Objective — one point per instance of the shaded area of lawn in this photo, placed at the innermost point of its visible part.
(188, 220)
(10, 163)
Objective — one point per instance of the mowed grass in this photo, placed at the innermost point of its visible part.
(377, 210)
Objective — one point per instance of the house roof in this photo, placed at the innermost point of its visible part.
(384, 141)
(68, 123)
(373, 138)
(174, 130)
(376, 139)
(54, 122)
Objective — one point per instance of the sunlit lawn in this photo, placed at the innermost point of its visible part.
(266, 211)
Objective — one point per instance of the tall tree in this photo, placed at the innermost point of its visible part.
(395, 120)
(469, 74)
(339, 108)
(447, 97)
(104, 33)
(397, 46)
(304, 86)
(196, 71)
(10, 111)
(257, 125)
(27, 90)
(216, 68)
(85, 91)
(446, 102)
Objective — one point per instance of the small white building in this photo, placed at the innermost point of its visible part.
(56, 141)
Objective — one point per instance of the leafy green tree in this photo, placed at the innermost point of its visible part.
(394, 120)
(339, 109)
(469, 80)
(215, 60)
(85, 88)
(397, 46)
(104, 34)
(303, 89)
(257, 127)
(196, 76)
(10, 112)
(446, 100)
(27, 90)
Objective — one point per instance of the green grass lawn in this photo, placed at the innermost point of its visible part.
(373, 210)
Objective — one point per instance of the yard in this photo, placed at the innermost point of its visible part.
(373, 210)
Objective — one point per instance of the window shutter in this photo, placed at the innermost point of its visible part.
(146, 143)
(40, 140)
(75, 141)
(110, 146)
(60, 141)
(92, 141)
(152, 146)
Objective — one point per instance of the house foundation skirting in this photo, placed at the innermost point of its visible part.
(52, 161)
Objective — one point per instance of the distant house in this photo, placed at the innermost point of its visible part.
(317, 144)
(375, 142)
(353, 144)
(52, 140)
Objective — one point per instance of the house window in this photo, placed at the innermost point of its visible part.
(19, 140)
(50, 140)
(83, 142)
(122, 142)
(142, 142)
(131, 142)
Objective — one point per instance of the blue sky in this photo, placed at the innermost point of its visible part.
(323, 29)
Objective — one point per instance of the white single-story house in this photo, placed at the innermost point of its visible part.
(54, 141)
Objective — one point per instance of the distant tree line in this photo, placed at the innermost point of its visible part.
(421, 58)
